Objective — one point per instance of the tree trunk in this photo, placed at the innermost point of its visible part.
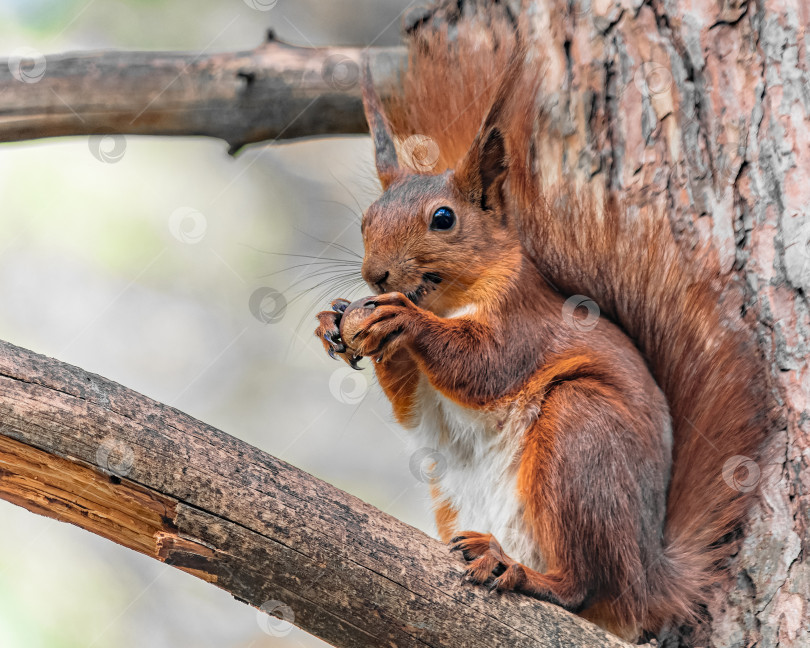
(704, 107)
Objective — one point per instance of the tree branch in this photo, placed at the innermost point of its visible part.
(82, 449)
(276, 91)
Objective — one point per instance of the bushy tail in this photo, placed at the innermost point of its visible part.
(453, 74)
(701, 354)
(703, 358)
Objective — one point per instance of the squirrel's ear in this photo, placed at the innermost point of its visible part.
(385, 153)
(483, 171)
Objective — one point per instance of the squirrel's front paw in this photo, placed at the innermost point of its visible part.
(328, 332)
(388, 325)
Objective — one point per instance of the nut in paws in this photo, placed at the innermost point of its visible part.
(385, 327)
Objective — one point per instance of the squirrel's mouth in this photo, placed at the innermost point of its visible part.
(429, 282)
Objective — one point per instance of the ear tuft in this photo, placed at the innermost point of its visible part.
(385, 153)
(483, 171)
(493, 167)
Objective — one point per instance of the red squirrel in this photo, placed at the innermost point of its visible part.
(583, 459)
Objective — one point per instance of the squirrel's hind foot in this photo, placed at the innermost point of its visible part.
(489, 564)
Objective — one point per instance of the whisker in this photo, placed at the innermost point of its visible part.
(321, 273)
(346, 189)
(305, 265)
(337, 288)
(334, 287)
(355, 215)
(317, 257)
(339, 246)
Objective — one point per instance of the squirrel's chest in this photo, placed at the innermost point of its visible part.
(477, 458)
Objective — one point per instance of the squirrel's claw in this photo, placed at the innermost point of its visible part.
(391, 299)
(339, 305)
(329, 332)
(337, 345)
(487, 563)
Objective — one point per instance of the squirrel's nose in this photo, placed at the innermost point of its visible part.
(376, 277)
(380, 279)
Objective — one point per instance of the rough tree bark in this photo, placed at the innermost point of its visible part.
(703, 107)
(83, 449)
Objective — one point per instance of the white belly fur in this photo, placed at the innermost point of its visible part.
(479, 471)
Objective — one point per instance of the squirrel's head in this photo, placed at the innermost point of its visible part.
(443, 240)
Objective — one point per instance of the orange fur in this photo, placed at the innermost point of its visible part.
(446, 515)
(398, 378)
(451, 114)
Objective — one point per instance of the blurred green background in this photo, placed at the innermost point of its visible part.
(94, 271)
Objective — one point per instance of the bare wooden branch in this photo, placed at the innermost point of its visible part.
(276, 91)
(82, 449)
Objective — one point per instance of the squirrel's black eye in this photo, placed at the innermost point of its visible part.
(443, 219)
